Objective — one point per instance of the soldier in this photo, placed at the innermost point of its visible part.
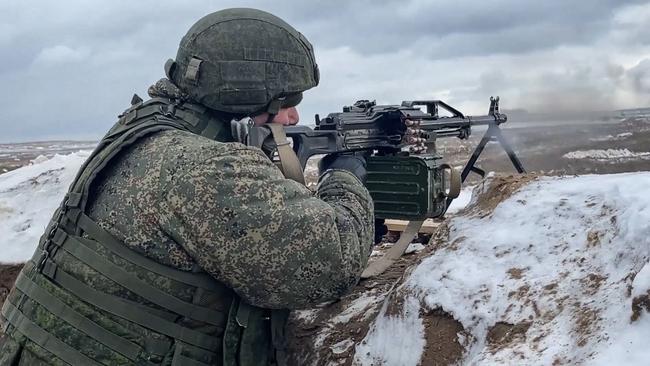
(177, 245)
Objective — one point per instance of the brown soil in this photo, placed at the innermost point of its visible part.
(593, 238)
(587, 321)
(640, 304)
(441, 332)
(502, 335)
(592, 283)
(8, 274)
(495, 190)
(516, 273)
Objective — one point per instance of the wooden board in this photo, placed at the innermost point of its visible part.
(428, 227)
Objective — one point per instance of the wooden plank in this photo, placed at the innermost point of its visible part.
(428, 227)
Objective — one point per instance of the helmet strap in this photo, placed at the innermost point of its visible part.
(274, 106)
(170, 67)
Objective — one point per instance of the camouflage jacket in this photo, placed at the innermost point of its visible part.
(182, 199)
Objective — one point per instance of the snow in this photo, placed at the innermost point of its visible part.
(47, 147)
(357, 307)
(619, 136)
(394, 340)
(641, 284)
(630, 346)
(461, 201)
(559, 255)
(28, 197)
(609, 154)
(342, 346)
(414, 248)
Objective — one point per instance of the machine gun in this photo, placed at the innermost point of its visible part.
(404, 185)
(408, 185)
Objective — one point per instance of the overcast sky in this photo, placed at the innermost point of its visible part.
(68, 68)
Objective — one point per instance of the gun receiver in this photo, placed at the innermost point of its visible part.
(380, 130)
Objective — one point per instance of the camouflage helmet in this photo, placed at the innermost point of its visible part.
(244, 61)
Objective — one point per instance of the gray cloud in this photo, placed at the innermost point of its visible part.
(68, 68)
(461, 28)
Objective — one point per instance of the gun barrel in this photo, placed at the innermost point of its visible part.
(460, 127)
(431, 123)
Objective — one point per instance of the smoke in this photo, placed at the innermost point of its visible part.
(639, 77)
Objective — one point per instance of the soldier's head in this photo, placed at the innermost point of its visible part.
(245, 62)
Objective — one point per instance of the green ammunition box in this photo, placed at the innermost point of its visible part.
(406, 187)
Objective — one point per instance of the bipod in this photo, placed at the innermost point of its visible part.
(493, 133)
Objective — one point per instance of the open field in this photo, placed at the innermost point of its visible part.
(13, 156)
(550, 148)
(562, 149)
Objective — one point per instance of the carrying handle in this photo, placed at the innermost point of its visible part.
(454, 181)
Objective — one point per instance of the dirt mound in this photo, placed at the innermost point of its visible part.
(495, 189)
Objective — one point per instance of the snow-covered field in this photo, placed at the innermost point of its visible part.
(28, 197)
(619, 136)
(14, 156)
(608, 154)
(558, 263)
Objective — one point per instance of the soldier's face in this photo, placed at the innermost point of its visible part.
(286, 117)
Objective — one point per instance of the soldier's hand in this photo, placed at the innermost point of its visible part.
(354, 163)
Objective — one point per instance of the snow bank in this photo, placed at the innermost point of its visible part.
(609, 154)
(28, 197)
(558, 261)
(461, 201)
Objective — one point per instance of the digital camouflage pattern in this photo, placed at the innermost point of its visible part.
(186, 202)
(269, 238)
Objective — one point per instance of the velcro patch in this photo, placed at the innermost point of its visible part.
(272, 55)
(243, 97)
(242, 71)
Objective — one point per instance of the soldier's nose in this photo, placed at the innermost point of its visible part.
(294, 116)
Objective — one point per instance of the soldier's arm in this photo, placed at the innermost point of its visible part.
(269, 238)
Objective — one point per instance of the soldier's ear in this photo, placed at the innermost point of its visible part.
(170, 68)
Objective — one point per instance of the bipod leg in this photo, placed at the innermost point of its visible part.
(469, 167)
(511, 153)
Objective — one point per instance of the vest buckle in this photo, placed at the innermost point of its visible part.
(45, 252)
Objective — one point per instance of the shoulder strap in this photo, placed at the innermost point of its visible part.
(288, 159)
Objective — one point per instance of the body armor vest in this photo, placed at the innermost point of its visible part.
(216, 327)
